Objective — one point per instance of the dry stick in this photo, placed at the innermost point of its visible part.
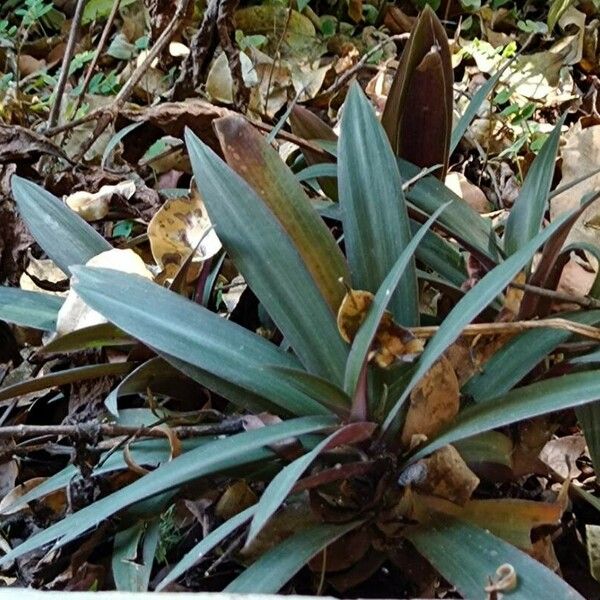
(347, 75)
(106, 115)
(101, 44)
(583, 301)
(477, 329)
(277, 55)
(66, 63)
(110, 430)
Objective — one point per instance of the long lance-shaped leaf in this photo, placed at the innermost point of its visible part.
(519, 356)
(250, 156)
(589, 418)
(467, 556)
(364, 338)
(418, 112)
(376, 225)
(426, 194)
(261, 240)
(282, 484)
(180, 328)
(519, 404)
(146, 453)
(460, 220)
(204, 546)
(29, 309)
(277, 566)
(527, 214)
(63, 377)
(465, 311)
(213, 457)
(63, 235)
(472, 109)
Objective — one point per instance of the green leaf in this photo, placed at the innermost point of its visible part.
(376, 225)
(459, 219)
(117, 138)
(29, 309)
(213, 457)
(468, 556)
(148, 453)
(365, 335)
(129, 572)
(489, 447)
(277, 566)
(95, 336)
(325, 392)
(215, 345)
(527, 213)
(589, 418)
(441, 256)
(282, 484)
(519, 356)
(64, 377)
(205, 545)
(155, 374)
(64, 236)
(521, 403)
(277, 241)
(466, 310)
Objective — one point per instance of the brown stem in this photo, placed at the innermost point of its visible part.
(476, 329)
(559, 296)
(347, 75)
(64, 69)
(111, 430)
(108, 114)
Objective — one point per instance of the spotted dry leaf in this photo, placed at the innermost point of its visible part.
(391, 342)
(180, 227)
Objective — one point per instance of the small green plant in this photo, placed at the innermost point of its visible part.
(377, 460)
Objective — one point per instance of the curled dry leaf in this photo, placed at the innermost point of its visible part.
(180, 227)
(434, 402)
(74, 313)
(41, 270)
(54, 501)
(93, 207)
(391, 340)
(469, 192)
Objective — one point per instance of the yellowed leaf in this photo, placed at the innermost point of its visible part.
(180, 227)
(236, 498)
(391, 340)
(434, 402)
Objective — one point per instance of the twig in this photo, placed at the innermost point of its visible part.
(583, 301)
(277, 55)
(111, 430)
(347, 75)
(101, 44)
(106, 115)
(66, 63)
(477, 329)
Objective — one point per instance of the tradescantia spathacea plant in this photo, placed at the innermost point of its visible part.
(379, 430)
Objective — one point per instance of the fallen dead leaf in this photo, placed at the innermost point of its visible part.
(434, 402)
(469, 192)
(93, 207)
(391, 340)
(561, 453)
(75, 313)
